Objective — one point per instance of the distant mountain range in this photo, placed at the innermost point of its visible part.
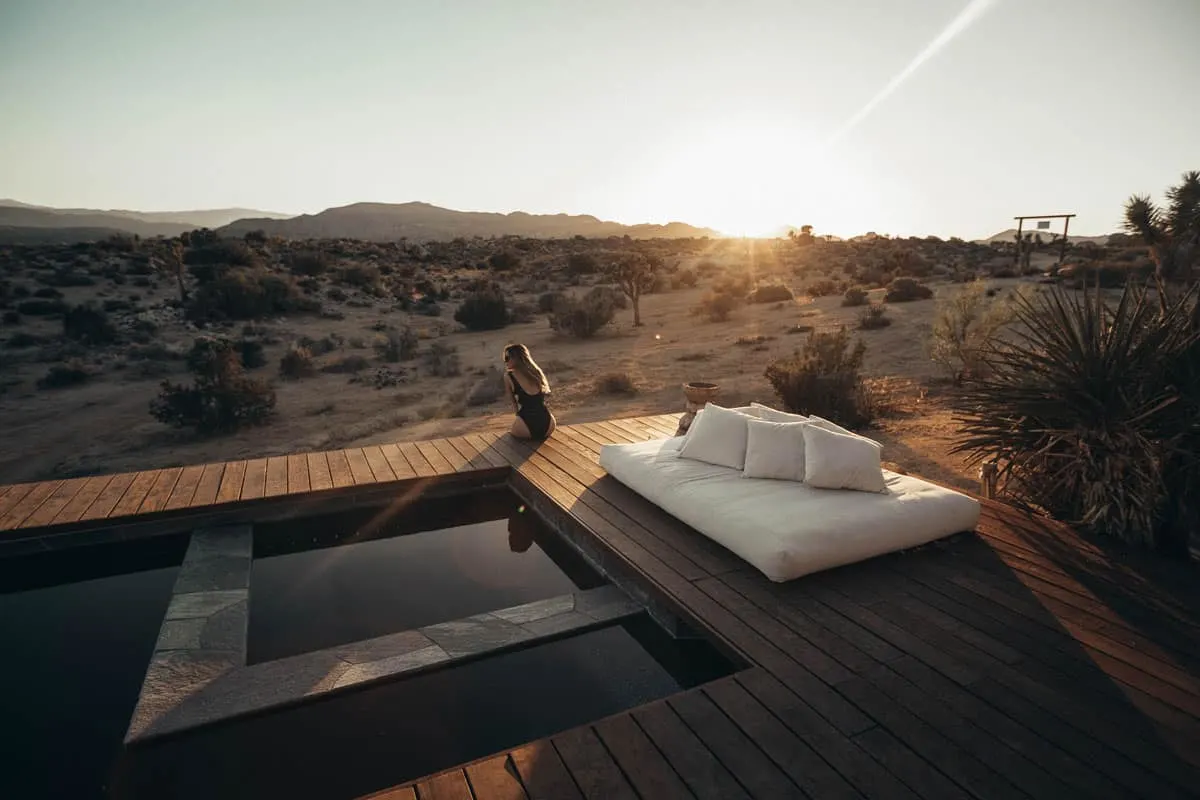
(21, 222)
(1047, 235)
(425, 222)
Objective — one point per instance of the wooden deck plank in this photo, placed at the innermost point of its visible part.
(210, 484)
(398, 463)
(297, 474)
(641, 762)
(276, 482)
(108, 498)
(703, 773)
(486, 451)
(254, 484)
(185, 487)
(319, 474)
(543, 773)
(360, 470)
(230, 489)
(49, 508)
(450, 785)
(160, 492)
(491, 780)
(74, 510)
(436, 460)
(591, 766)
(380, 469)
(28, 504)
(339, 469)
(15, 494)
(417, 459)
(131, 499)
(456, 460)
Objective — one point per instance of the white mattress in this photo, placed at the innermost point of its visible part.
(784, 528)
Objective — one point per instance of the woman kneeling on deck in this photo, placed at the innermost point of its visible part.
(527, 388)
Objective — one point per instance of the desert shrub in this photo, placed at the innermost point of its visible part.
(441, 360)
(347, 364)
(309, 262)
(206, 351)
(486, 388)
(906, 290)
(360, 276)
(67, 277)
(684, 279)
(252, 353)
(821, 288)
(296, 363)
(221, 400)
(247, 294)
(47, 291)
(504, 260)
(737, 285)
(319, 347)
(615, 383)
(584, 317)
(582, 264)
(41, 307)
(548, 300)
(218, 253)
(854, 296)
(873, 317)
(24, 339)
(771, 293)
(716, 306)
(89, 325)
(823, 379)
(484, 309)
(337, 294)
(397, 344)
(10, 318)
(62, 376)
(1090, 410)
(114, 305)
(521, 313)
(965, 325)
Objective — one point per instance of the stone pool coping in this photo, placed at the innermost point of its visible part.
(198, 674)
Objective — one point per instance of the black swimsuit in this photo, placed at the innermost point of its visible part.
(531, 408)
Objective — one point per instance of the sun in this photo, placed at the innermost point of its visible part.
(748, 179)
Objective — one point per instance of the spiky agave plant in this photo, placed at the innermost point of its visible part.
(1090, 410)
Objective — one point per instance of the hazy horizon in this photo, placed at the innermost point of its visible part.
(947, 119)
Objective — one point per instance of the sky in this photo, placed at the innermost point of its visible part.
(938, 117)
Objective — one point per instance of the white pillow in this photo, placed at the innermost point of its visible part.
(821, 422)
(775, 450)
(775, 415)
(747, 410)
(836, 461)
(717, 436)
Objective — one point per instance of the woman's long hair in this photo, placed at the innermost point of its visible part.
(519, 354)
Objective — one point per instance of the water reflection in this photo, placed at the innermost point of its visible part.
(522, 529)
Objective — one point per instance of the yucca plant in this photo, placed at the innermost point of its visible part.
(1172, 234)
(1092, 412)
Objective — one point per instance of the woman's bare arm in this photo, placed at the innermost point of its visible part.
(512, 392)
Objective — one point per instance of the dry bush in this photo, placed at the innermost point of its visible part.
(346, 365)
(442, 360)
(221, 400)
(771, 293)
(873, 317)
(484, 309)
(716, 306)
(583, 318)
(296, 363)
(486, 389)
(965, 324)
(906, 290)
(615, 383)
(397, 345)
(751, 339)
(61, 376)
(854, 296)
(823, 379)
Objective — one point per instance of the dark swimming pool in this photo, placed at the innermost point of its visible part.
(340, 578)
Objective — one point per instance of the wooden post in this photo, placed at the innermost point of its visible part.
(1020, 227)
(987, 479)
(1062, 250)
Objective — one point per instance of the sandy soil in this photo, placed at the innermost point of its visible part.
(104, 425)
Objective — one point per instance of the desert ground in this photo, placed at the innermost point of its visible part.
(103, 424)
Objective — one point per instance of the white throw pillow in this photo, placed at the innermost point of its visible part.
(836, 461)
(747, 410)
(821, 422)
(775, 415)
(775, 450)
(717, 436)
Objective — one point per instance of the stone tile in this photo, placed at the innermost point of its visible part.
(539, 609)
(559, 623)
(396, 665)
(477, 634)
(214, 573)
(606, 603)
(235, 541)
(171, 679)
(203, 604)
(394, 644)
(227, 629)
(180, 634)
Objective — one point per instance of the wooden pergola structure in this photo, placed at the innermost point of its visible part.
(1066, 218)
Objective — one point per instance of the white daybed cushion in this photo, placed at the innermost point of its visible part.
(841, 461)
(775, 415)
(717, 436)
(787, 529)
(775, 450)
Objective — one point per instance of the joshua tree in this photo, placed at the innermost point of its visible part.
(175, 266)
(1172, 234)
(804, 238)
(635, 275)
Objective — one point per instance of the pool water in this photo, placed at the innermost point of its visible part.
(340, 578)
(76, 632)
(359, 742)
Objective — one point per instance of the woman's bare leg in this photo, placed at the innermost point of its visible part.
(520, 429)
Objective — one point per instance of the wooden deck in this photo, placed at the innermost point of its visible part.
(1018, 661)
